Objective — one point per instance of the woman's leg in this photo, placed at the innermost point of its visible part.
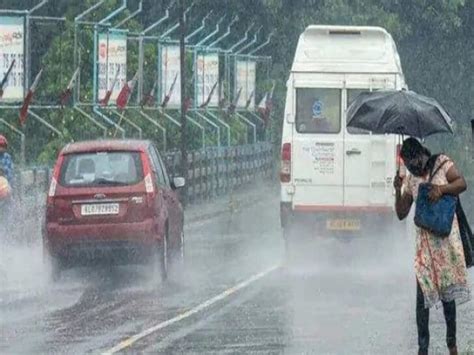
(449, 309)
(422, 321)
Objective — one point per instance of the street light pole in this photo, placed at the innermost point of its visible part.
(182, 39)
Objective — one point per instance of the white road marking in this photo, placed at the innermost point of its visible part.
(133, 339)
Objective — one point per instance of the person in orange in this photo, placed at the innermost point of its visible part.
(6, 167)
(6, 161)
(5, 189)
(5, 206)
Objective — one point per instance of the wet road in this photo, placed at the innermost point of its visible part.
(234, 295)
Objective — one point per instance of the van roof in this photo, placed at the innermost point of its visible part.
(346, 49)
(106, 145)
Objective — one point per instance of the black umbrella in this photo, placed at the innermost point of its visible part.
(400, 112)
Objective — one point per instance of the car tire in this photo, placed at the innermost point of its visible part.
(56, 269)
(163, 257)
(181, 251)
(54, 265)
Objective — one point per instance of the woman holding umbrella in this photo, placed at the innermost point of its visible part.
(440, 266)
(440, 263)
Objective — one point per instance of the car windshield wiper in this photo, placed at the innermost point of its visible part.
(103, 181)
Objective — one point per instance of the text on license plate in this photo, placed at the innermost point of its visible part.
(343, 224)
(99, 209)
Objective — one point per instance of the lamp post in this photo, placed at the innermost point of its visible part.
(182, 40)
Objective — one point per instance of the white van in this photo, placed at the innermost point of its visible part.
(336, 180)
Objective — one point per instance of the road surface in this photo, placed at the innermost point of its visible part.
(235, 294)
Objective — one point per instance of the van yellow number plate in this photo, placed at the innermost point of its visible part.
(343, 224)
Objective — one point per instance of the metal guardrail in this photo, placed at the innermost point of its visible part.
(212, 172)
(219, 170)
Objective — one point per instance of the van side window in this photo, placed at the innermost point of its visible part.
(318, 110)
(157, 167)
(351, 95)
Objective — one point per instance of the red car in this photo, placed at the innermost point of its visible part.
(112, 201)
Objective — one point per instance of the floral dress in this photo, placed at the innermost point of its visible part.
(440, 266)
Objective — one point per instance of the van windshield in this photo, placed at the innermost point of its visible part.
(101, 169)
(318, 110)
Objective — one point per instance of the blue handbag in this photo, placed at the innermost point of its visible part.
(437, 217)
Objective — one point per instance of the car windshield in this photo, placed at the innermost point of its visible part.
(101, 169)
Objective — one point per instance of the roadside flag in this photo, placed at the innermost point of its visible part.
(124, 95)
(266, 104)
(150, 98)
(249, 100)
(222, 98)
(66, 94)
(209, 97)
(233, 104)
(262, 105)
(170, 92)
(105, 100)
(5, 78)
(28, 99)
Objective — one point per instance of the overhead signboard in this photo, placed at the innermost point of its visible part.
(170, 75)
(112, 64)
(12, 50)
(207, 78)
(245, 75)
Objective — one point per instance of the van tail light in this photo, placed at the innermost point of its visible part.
(149, 186)
(399, 161)
(285, 172)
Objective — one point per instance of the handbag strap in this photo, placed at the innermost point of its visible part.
(433, 173)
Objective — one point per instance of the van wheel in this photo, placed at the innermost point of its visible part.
(288, 239)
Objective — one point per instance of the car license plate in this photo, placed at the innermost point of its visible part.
(343, 224)
(100, 209)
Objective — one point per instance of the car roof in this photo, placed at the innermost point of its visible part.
(107, 145)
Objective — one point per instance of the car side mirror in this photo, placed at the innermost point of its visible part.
(178, 182)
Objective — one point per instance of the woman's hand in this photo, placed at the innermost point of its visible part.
(397, 182)
(403, 201)
(435, 193)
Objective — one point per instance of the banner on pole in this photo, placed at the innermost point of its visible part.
(12, 30)
(206, 79)
(112, 73)
(170, 73)
(245, 76)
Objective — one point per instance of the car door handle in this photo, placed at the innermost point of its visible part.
(353, 151)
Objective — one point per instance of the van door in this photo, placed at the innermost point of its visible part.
(368, 164)
(317, 148)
